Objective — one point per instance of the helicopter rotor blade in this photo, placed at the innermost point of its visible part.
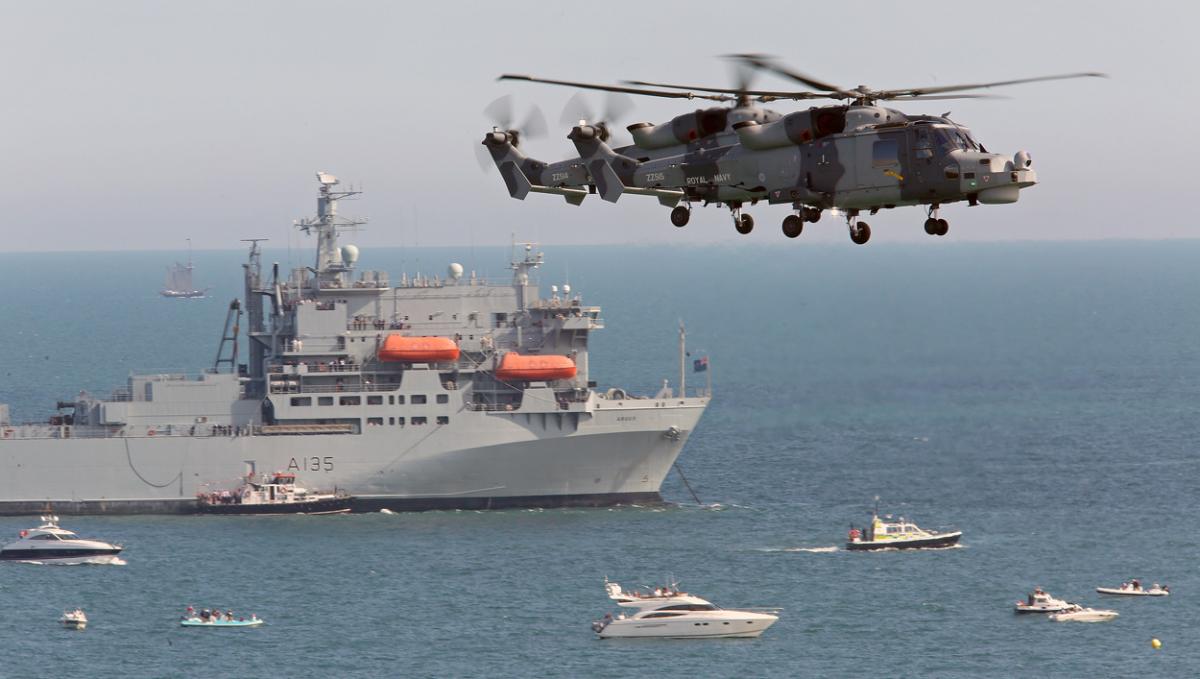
(615, 88)
(500, 112)
(617, 105)
(936, 97)
(775, 94)
(576, 109)
(534, 126)
(765, 62)
(483, 158)
(891, 94)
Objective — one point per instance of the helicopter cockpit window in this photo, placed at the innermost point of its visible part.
(922, 142)
(885, 153)
(952, 139)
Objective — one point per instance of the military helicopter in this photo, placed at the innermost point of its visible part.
(848, 158)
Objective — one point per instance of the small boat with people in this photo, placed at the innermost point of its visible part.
(1134, 587)
(1039, 601)
(75, 619)
(1077, 613)
(278, 493)
(49, 543)
(888, 533)
(667, 613)
(215, 618)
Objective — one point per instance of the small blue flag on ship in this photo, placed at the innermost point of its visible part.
(700, 364)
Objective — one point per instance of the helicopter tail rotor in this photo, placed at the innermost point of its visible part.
(500, 114)
(579, 111)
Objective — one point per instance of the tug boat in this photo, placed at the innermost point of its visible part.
(1134, 588)
(668, 613)
(214, 618)
(51, 544)
(1041, 602)
(276, 494)
(75, 619)
(1081, 614)
(885, 533)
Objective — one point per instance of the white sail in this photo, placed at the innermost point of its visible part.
(179, 278)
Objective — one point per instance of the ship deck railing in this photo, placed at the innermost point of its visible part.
(67, 431)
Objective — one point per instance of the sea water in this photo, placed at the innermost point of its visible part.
(1041, 398)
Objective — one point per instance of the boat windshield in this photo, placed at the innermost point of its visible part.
(688, 607)
(45, 536)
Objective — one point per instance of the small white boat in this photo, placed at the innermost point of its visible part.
(1134, 588)
(1041, 602)
(51, 544)
(75, 619)
(214, 618)
(1081, 614)
(278, 493)
(667, 613)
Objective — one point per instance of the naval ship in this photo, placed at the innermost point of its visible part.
(434, 393)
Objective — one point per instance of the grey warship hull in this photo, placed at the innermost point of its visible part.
(513, 460)
(341, 388)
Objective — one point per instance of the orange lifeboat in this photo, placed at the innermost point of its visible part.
(550, 367)
(418, 349)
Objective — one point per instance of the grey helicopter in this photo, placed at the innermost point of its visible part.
(852, 157)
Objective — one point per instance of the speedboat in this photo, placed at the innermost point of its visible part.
(214, 618)
(48, 543)
(668, 613)
(886, 533)
(1134, 588)
(275, 494)
(1081, 614)
(75, 619)
(1041, 602)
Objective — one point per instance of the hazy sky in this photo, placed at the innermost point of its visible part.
(139, 124)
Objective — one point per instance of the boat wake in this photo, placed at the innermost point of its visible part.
(111, 561)
(810, 550)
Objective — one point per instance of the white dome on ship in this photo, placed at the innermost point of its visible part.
(349, 254)
(455, 270)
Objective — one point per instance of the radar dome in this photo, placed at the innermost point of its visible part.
(349, 254)
(455, 270)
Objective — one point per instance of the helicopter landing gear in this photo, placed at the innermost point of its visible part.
(860, 232)
(811, 214)
(680, 215)
(743, 223)
(793, 226)
(935, 226)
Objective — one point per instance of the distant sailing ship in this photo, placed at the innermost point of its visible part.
(179, 280)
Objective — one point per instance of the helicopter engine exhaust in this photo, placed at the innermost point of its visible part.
(681, 129)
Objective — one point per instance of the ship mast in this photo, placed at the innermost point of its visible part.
(331, 267)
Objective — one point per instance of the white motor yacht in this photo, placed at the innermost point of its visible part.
(671, 614)
(1041, 602)
(50, 544)
(1134, 588)
(75, 619)
(1081, 614)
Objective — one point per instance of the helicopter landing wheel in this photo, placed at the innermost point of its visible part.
(680, 215)
(943, 227)
(793, 226)
(812, 214)
(744, 224)
(931, 226)
(860, 233)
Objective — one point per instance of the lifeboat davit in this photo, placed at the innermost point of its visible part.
(550, 367)
(418, 349)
